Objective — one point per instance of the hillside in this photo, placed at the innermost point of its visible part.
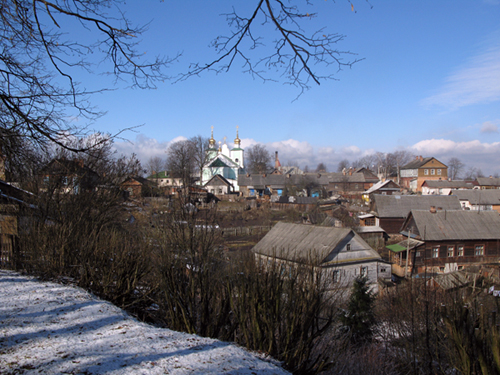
(55, 329)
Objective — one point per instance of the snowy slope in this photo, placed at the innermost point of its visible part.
(47, 328)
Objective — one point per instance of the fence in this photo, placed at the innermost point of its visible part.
(246, 231)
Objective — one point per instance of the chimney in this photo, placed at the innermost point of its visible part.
(350, 171)
(343, 171)
(277, 163)
(433, 209)
(421, 158)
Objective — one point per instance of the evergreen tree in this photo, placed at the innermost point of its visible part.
(359, 318)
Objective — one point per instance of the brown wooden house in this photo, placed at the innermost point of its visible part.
(391, 210)
(452, 240)
(413, 174)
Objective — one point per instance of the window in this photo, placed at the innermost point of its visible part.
(364, 271)
(356, 186)
(418, 254)
(479, 250)
(348, 247)
(460, 268)
(433, 172)
(220, 191)
(439, 172)
(460, 250)
(451, 251)
(382, 270)
(426, 172)
(435, 252)
(441, 269)
(336, 276)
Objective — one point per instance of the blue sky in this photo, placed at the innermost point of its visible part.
(429, 82)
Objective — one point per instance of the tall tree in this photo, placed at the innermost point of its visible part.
(258, 159)
(455, 167)
(200, 152)
(321, 168)
(43, 44)
(155, 164)
(343, 164)
(180, 161)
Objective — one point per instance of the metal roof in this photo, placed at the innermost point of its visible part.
(392, 206)
(314, 244)
(453, 184)
(457, 225)
(488, 181)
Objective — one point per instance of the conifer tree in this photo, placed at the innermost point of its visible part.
(359, 317)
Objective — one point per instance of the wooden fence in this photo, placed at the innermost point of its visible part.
(246, 231)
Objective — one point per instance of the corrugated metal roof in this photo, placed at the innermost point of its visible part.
(417, 163)
(399, 206)
(314, 244)
(488, 181)
(453, 184)
(457, 225)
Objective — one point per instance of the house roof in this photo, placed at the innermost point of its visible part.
(164, 174)
(417, 163)
(488, 181)
(355, 177)
(456, 225)
(314, 244)
(218, 180)
(222, 160)
(392, 206)
(383, 185)
(453, 184)
(404, 245)
(452, 280)
(487, 196)
(64, 167)
(278, 180)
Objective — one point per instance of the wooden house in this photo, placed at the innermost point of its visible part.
(137, 187)
(452, 239)
(387, 187)
(339, 252)
(485, 183)
(218, 185)
(413, 174)
(445, 187)
(479, 200)
(68, 176)
(391, 210)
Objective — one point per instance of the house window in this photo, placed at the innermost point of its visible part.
(433, 172)
(382, 270)
(370, 221)
(435, 252)
(426, 172)
(479, 250)
(356, 186)
(168, 182)
(364, 272)
(441, 269)
(348, 247)
(439, 172)
(336, 186)
(418, 254)
(220, 191)
(336, 276)
(460, 251)
(451, 251)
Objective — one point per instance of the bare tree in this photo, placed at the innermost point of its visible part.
(155, 165)
(180, 161)
(258, 159)
(367, 161)
(40, 53)
(455, 167)
(200, 152)
(399, 159)
(321, 168)
(343, 164)
(299, 55)
(472, 173)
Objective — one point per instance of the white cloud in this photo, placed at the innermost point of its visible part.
(145, 147)
(489, 127)
(485, 156)
(477, 82)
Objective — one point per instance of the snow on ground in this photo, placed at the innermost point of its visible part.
(47, 328)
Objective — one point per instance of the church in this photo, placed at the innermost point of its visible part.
(224, 165)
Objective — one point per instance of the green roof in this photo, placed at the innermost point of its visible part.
(218, 163)
(163, 174)
(396, 248)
